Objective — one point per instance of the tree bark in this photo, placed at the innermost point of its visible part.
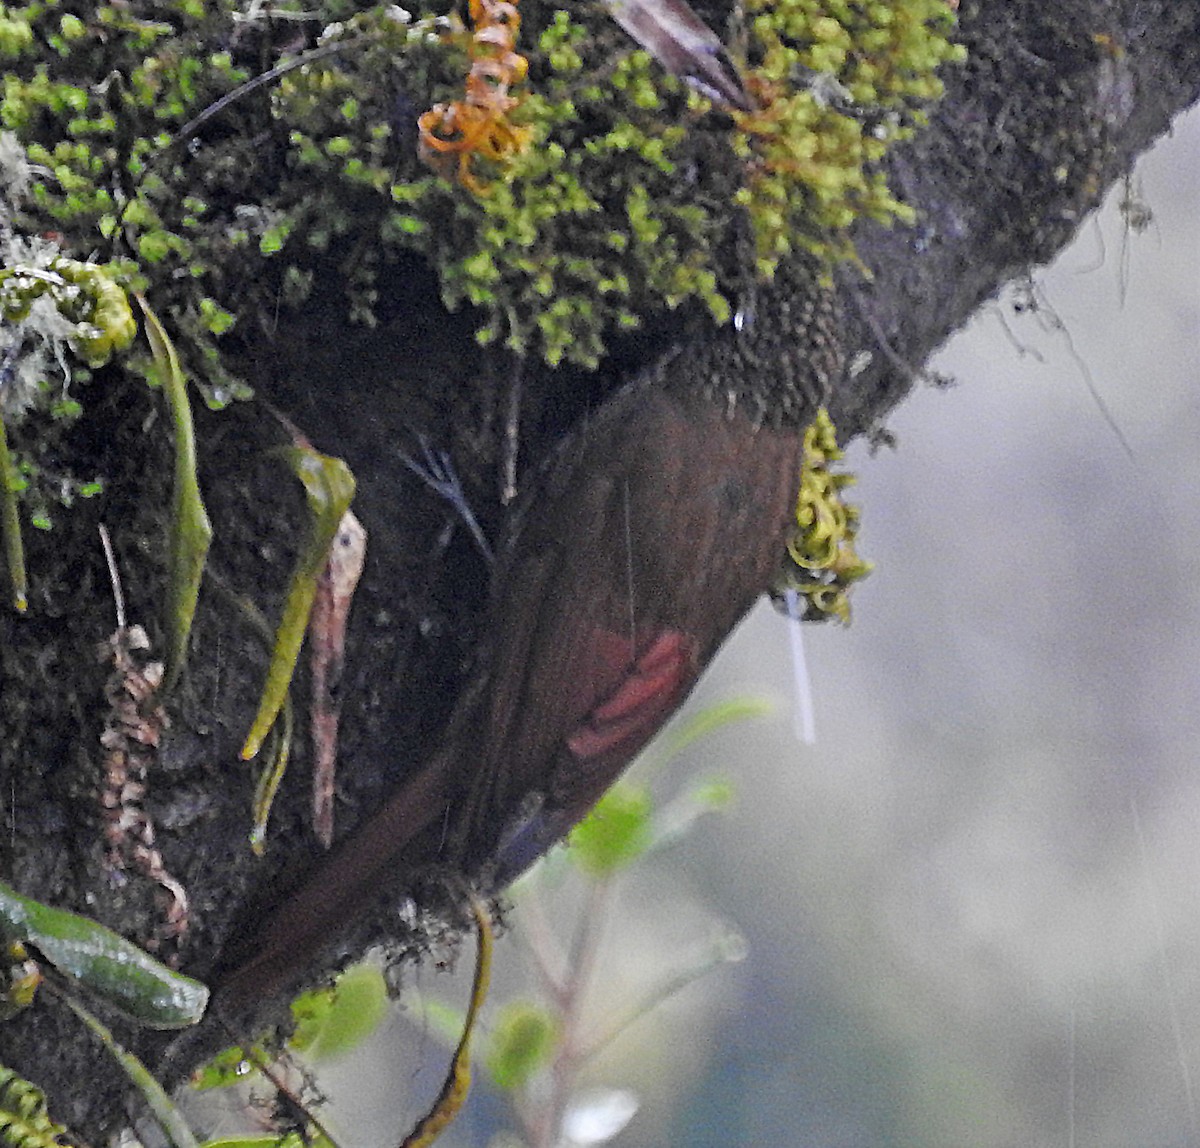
(1052, 107)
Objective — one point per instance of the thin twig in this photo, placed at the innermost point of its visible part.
(542, 1131)
(512, 432)
(114, 575)
(267, 77)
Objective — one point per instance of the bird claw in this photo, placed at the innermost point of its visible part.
(436, 470)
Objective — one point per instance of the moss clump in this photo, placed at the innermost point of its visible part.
(840, 82)
(59, 318)
(822, 564)
(91, 309)
(600, 219)
(222, 204)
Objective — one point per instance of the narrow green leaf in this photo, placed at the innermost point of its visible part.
(191, 531)
(678, 817)
(329, 488)
(271, 776)
(291, 1140)
(713, 717)
(10, 525)
(98, 961)
(168, 1116)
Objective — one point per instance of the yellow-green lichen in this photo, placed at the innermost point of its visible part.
(90, 303)
(822, 564)
(52, 309)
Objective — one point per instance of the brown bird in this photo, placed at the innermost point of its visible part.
(640, 548)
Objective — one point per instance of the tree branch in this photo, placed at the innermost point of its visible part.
(1053, 106)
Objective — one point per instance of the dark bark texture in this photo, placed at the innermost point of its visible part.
(1053, 106)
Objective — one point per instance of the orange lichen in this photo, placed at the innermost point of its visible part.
(453, 135)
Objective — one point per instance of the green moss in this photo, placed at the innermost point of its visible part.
(623, 143)
(813, 151)
(87, 299)
(590, 227)
(24, 1116)
(625, 201)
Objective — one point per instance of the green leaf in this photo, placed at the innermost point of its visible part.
(329, 488)
(291, 1140)
(679, 816)
(333, 1020)
(523, 1040)
(230, 1066)
(96, 960)
(708, 720)
(191, 531)
(616, 833)
(10, 526)
(253, 1142)
(170, 1119)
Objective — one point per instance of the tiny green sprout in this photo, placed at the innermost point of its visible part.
(93, 959)
(215, 318)
(274, 238)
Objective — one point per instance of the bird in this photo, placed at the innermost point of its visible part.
(672, 32)
(636, 550)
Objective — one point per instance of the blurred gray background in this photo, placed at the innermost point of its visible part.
(972, 908)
